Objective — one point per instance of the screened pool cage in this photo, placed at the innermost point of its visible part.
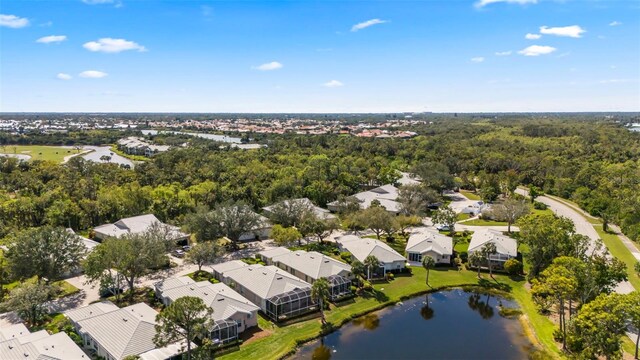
(290, 304)
(339, 287)
(224, 331)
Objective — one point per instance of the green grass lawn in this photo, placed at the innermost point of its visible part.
(66, 288)
(399, 244)
(617, 249)
(461, 246)
(50, 153)
(283, 340)
(482, 222)
(462, 216)
(470, 195)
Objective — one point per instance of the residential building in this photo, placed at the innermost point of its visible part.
(302, 203)
(386, 195)
(138, 225)
(137, 146)
(17, 343)
(268, 255)
(428, 242)
(311, 266)
(220, 269)
(232, 313)
(361, 248)
(277, 293)
(262, 231)
(506, 247)
(115, 333)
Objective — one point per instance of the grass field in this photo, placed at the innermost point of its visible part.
(470, 195)
(617, 249)
(482, 222)
(50, 153)
(284, 339)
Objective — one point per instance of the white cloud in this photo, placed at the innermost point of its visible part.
(530, 36)
(483, 3)
(109, 45)
(63, 76)
(503, 53)
(366, 24)
(333, 84)
(51, 39)
(615, 23)
(477, 59)
(13, 21)
(537, 50)
(574, 31)
(274, 65)
(98, 2)
(93, 74)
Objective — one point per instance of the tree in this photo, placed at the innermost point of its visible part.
(428, 263)
(203, 225)
(445, 216)
(599, 327)
(45, 252)
(311, 224)
(404, 222)
(234, 220)
(510, 210)
(358, 270)
(636, 267)
(28, 300)
(185, 319)
(487, 251)
(371, 262)
(434, 175)
(285, 236)
(476, 259)
(414, 199)
(534, 192)
(131, 256)
(633, 314)
(320, 293)
(290, 212)
(204, 253)
(378, 219)
(513, 267)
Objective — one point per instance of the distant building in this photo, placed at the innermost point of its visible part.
(16, 342)
(386, 195)
(428, 242)
(137, 146)
(138, 225)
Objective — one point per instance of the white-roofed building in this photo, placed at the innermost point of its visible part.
(386, 195)
(360, 248)
(506, 247)
(428, 242)
(138, 225)
(88, 243)
(220, 269)
(119, 333)
(268, 255)
(232, 313)
(261, 231)
(16, 342)
(311, 266)
(277, 293)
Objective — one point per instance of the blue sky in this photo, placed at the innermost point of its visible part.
(319, 56)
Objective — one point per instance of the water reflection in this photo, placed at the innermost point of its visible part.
(369, 322)
(426, 311)
(483, 308)
(322, 352)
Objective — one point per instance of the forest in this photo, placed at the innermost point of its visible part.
(595, 163)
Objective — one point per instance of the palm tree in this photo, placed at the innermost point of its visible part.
(487, 250)
(428, 262)
(371, 262)
(358, 270)
(475, 259)
(320, 292)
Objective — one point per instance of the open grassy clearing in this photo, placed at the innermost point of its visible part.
(470, 195)
(49, 153)
(617, 249)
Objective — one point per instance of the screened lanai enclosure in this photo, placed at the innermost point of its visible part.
(339, 287)
(224, 331)
(290, 304)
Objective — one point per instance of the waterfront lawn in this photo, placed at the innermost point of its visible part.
(284, 339)
(618, 250)
(49, 153)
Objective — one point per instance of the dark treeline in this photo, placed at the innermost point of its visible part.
(594, 163)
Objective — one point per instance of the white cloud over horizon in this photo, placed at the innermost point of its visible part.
(531, 36)
(504, 53)
(477, 59)
(52, 39)
(333, 84)
(574, 31)
(274, 65)
(366, 24)
(93, 74)
(537, 50)
(13, 21)
(483, 3)
(64, 76)
(110, 45)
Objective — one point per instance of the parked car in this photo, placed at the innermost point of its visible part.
(186, 248)
(110, 291)
(178, 253)
(442, 227)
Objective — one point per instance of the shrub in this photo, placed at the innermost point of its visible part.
(539, 206)
(390, 276)
(353, 288)
(391, 239)
(464, 256)
(513, 267)
(367, 286)
(346, 256)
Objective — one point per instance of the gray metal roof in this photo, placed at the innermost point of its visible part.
(313, 264)
(41, 346)
(172, 283)
(266, 281)
(360, 248)
(273, 252)
(136, 225)
(504, 244)
(318, 211)
(423, 240)
(89, 311)
(224, 267)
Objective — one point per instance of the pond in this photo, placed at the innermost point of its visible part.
(454, 325)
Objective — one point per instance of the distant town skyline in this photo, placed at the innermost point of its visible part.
(315, 57)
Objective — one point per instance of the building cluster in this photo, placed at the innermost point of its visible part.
(17, 342)
(137, 146)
